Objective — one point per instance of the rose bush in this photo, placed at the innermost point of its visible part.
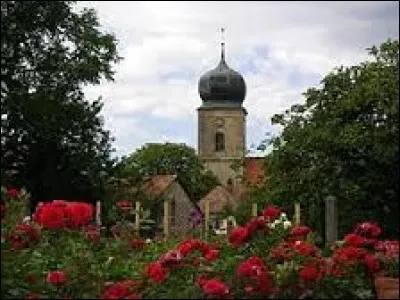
(60, 253)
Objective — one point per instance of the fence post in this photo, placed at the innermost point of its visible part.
(297, 213)
(166, 219)
(137, 216)
(254, 209)
(98, 213)
(206, 217)
(331, 220)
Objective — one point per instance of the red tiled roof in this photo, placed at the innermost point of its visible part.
(254, 170)
(219, 197)
(156, 185)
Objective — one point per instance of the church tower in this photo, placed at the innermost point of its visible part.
(222, 120)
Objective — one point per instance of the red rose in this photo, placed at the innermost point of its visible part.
(215, 287)
(80, 214)
(371, 263)
(255, 260)
(125, 205)
(239, 236)
(56, 277)
(354, 240)
(370, 230)
(304, 248)
(188, 246)
(390, 249)
(308, 274)
(116, 291)
(32, 233)
(300, 231)
(282, 252)
(271, 212)
(348, 255)
(250, 266)
(51, 216)
(255, 270)
(211, 254)
(172, 257)
(265, 283)
(13, 193)
(156, 272)
(255, 224)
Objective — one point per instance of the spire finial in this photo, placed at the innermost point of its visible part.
(222, 44)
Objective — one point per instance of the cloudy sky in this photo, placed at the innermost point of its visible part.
(281, 49)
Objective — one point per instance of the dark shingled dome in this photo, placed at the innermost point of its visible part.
(222, 85)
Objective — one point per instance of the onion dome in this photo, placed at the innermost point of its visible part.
(222, 86)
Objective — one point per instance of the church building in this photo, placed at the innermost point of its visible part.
(222, 128)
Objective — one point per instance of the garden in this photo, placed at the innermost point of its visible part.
(341, 140)
(60, 253)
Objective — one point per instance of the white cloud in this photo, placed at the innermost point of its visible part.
(281, 48)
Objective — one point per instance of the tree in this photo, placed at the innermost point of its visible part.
(343, 141)
(170, 158)
(52, 138)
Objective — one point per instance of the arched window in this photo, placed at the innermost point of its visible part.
(219, 141)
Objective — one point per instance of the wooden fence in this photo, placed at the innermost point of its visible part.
(331, 218)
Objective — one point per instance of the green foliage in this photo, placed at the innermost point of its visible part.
(343, 141)
(53, 141)
(170, 158)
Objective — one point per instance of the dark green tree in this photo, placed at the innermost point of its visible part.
(343, 141)
(52, 138)
(170, 158)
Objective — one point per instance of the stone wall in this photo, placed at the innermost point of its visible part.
(231, 121)
(180, 208)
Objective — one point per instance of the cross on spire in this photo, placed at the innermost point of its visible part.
(222, 44)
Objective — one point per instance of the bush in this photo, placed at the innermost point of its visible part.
(60, 254)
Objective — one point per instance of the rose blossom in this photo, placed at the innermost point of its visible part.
(308, 274)
(80, 214)
(239, 236)
(125, 205)
(156, 272)
(211, 254)
(172, 257)
(188, 246)
(300, 231)
(354, 240)
(56, 277)
(13, 193)
(215, 287)
(51, 216)
(271, 212)
(371, 263)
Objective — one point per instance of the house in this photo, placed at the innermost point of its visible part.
(219, 198)
(161, 188)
